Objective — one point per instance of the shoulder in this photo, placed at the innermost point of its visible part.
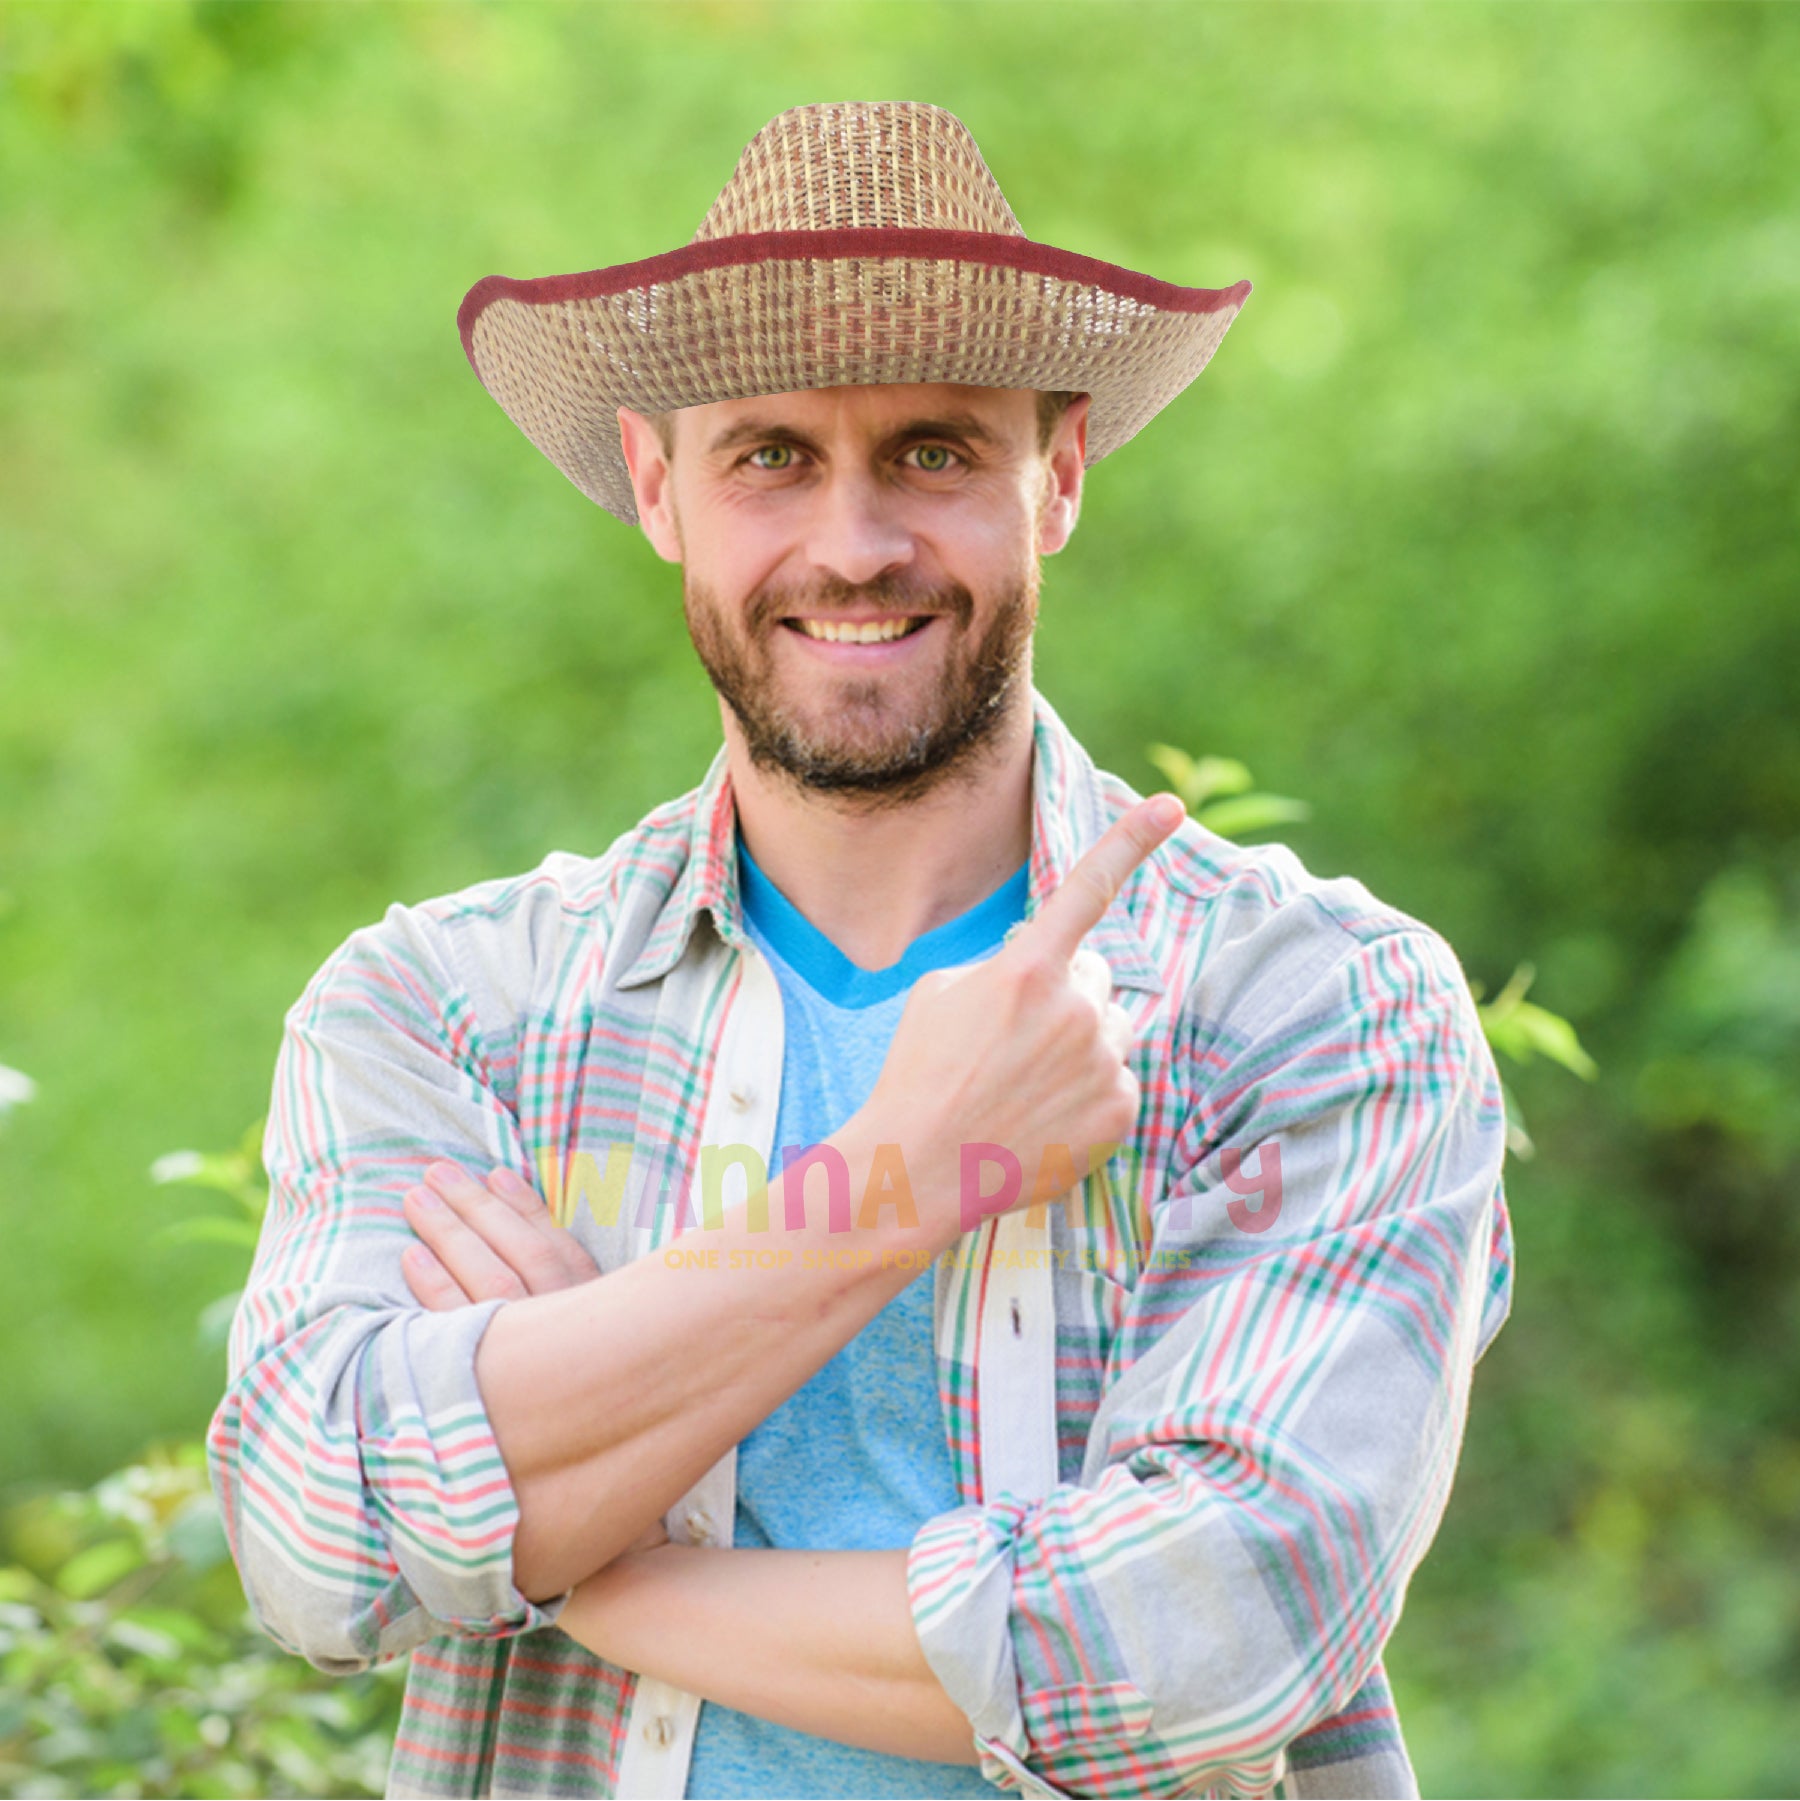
(505, 938)
(519, 916)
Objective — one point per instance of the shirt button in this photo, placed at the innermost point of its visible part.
(661, 1731)
(700, 1526)
(742, 1096)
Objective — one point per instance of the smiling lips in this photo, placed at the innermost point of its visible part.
(860, 631)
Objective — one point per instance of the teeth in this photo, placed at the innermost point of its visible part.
(874, 631)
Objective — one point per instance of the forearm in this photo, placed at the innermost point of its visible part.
(610, 1400)
(821, 1641)
(316, 1453)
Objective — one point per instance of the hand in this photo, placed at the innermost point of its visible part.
(484, 1242)
(1022, 1049)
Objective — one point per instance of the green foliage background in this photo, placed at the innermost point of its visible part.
(1478, 534)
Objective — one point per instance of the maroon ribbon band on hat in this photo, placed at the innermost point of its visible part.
(995, 248)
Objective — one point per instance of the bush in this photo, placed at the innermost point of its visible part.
(129, 1663)
(130, 1666)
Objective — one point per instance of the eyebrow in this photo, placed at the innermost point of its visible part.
(964, 427)
(755, 431)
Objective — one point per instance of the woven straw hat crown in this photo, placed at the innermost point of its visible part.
(856, 242)
(881, 166)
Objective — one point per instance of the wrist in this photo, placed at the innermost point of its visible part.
(905, 1180)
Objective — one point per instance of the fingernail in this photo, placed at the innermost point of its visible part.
(426, 1200)
(1170, 809)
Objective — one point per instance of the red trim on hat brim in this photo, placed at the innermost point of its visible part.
(996, 248)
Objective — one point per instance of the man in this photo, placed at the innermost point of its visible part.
(916, 1272)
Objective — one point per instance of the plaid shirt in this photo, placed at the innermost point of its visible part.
(1200, 1445)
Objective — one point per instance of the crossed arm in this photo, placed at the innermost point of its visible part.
(602, 1422)
(822, 1641)
(1219, 1577)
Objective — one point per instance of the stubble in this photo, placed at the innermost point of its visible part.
(866, 742)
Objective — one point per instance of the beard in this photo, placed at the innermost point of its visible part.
(869, 740)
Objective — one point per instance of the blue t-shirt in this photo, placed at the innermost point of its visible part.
(875, 1404)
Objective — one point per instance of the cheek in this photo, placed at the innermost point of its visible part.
(747, 543)
(725, 553)
(992, 543)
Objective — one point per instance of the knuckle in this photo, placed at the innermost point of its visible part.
(1128, 1112)
(577, 1267)
(451, 1181)
(540, 1268)
(444, 1294)
(499, 1225)
(923, 993)
(1086, 1006)
(1121, 1105)
(1036, 977)
(432, 1285)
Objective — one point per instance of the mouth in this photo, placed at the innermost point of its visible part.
(889, 628)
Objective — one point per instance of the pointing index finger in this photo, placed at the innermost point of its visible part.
(1080, 903)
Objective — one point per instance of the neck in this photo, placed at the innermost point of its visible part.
(873, 876)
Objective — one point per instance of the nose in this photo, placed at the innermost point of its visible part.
(857, 533)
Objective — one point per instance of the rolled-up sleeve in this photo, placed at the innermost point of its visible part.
(1282, 1415)
(363, 1492)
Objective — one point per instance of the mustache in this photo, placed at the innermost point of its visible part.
(820, 600)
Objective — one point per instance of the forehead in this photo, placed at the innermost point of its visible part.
(872, 411)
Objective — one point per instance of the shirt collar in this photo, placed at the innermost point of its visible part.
(1072, 804)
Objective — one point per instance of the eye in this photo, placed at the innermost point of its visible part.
(934, 459)
(772, 456)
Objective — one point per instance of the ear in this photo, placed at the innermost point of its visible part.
(1064, 466)
(650, 484)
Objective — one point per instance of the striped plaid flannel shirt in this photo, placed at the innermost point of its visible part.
(1203, 1418)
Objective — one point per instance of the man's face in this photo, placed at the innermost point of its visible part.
(907, 518)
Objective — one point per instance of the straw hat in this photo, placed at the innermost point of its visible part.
(856, 242)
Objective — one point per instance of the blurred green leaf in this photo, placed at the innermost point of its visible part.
(1521, 1029)
(1216, 792)
(237, 1173)
(1518, 1139)
(93, 1571)
(1251, 813)
(1198, 779)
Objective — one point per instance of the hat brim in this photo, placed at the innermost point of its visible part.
(775, 312)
